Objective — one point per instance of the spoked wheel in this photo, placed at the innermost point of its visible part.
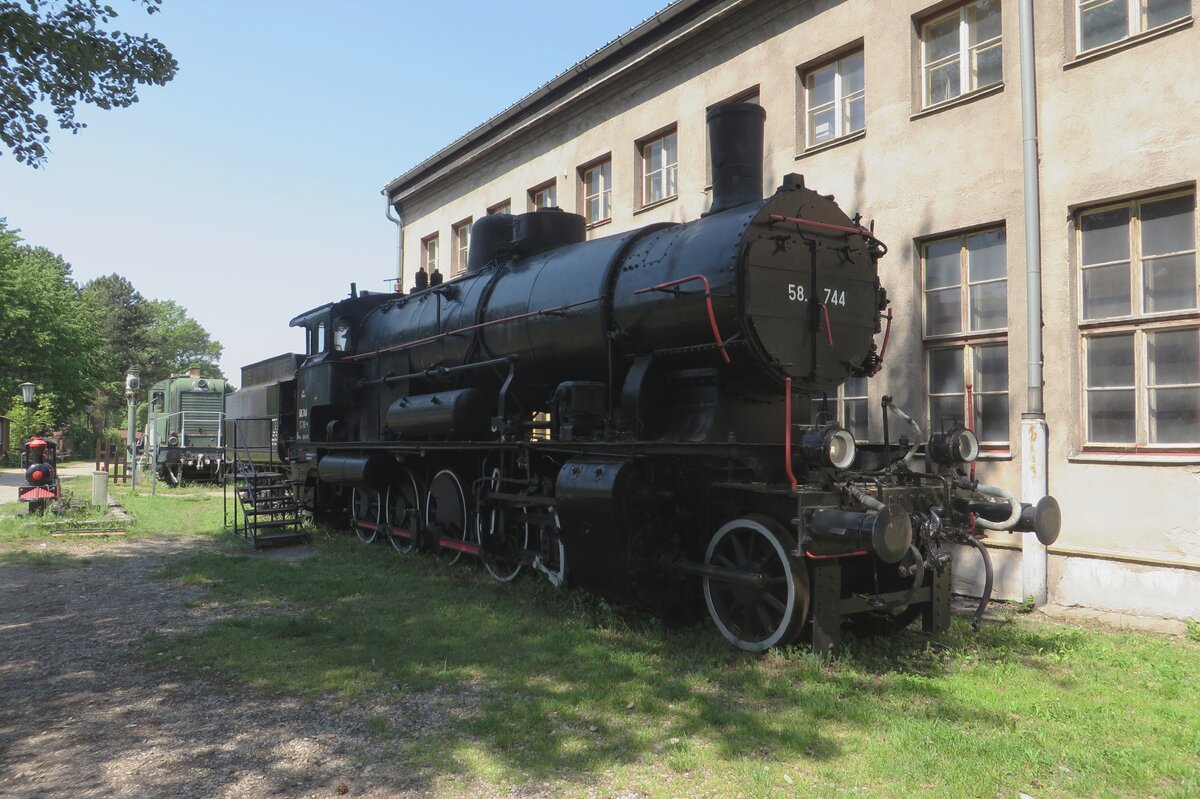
(365, 507)
(403, 512)
(503, 541)
(770, 607)
(446, 515)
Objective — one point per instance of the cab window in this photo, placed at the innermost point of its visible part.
(341, 335)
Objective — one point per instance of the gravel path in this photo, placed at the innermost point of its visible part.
(80, 716)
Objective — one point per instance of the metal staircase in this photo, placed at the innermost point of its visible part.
(265, 509)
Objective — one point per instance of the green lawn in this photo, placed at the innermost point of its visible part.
(538, 686)
(555, 687)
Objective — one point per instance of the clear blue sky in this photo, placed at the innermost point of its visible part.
(248, 189)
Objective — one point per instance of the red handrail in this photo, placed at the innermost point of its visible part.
(853, 231)
(712, 316)
(787, 431)
(558, 309)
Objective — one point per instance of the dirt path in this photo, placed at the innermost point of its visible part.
(80, 716)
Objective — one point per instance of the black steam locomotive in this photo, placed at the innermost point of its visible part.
(624, 414)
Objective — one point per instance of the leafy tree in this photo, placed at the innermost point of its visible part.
(125, 320)
(43, 415)
(177, 342)
(60, 52)
(49, 332)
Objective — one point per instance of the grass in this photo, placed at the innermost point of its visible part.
(189, 511)
(543, 686)
(527, 685)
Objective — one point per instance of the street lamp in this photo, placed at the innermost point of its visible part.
(27, 390)
(132, 383)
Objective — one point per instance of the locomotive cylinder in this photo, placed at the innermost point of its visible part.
(887, 533)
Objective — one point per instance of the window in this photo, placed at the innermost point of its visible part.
(462, 244)
(545, 196)
(429, 253)
(1101, 22)
(834, 99)
(960, 51)
(504, 207)
(341, 335)
(848, 407)
(659, 161)
(965, 281)
(596, 190)
(1139, 322)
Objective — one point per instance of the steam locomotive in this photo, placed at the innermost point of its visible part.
(39, 456)
(631, 415)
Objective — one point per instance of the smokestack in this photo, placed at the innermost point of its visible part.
(735, 136)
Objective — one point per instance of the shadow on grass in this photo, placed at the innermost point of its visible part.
(536, 688)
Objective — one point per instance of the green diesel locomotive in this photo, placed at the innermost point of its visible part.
(185, 428)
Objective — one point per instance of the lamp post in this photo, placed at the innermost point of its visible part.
(27, 390)
(132, 383)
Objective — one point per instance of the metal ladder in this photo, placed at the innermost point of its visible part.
(265, 510)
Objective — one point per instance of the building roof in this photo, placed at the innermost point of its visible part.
(679, 16)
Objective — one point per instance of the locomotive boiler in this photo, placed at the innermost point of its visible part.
(631, 415)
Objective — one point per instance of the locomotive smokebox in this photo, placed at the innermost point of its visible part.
(735, 136)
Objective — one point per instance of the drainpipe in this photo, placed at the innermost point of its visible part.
(397, 219)
(1034, 445)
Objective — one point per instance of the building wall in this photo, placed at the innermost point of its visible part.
(1112, 125)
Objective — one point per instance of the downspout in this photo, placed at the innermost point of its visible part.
(1034, 445)
(397, 218)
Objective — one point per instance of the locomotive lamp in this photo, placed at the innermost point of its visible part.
(956, 445)
(829, 446)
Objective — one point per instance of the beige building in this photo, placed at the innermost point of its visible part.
(910, 113)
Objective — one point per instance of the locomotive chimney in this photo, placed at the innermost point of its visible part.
(735, 136)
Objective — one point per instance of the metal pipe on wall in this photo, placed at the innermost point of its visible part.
(397, 219)
(1034, 444)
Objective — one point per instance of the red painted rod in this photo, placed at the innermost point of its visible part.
(853, 231)
(828, 326)
(852, 553)
(461, 546)
(787, 431)
(459, 331)
(712, 316)
(366, 525)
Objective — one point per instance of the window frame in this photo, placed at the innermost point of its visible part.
(459, 253)
(429, 264)
(670, 169)
(805, 72)
(550, 186)
(502, 207)
(1135, 11)
(1138, 323)
(966, 339)
(963, 54)
(602, 197)
(839, 400)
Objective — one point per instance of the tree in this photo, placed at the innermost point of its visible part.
(124, 328)
(176, 343)
(59, 52)
(49, 332)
